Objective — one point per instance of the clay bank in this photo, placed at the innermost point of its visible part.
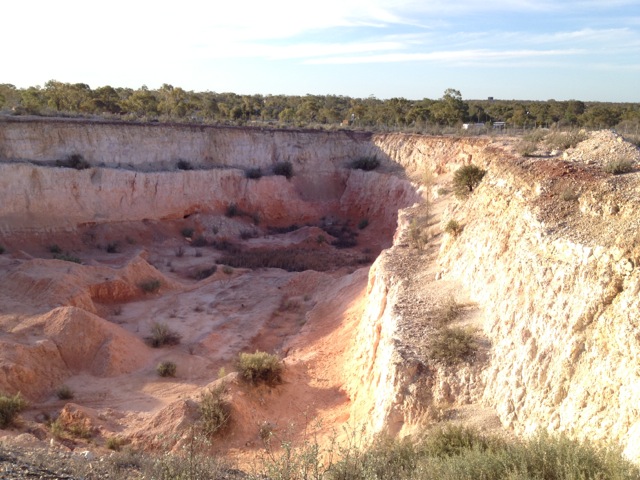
(294, 242)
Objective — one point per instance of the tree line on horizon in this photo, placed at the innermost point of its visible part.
(174, 104)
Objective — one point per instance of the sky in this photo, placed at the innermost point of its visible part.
(507, 49)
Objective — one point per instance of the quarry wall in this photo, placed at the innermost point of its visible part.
(562, 286)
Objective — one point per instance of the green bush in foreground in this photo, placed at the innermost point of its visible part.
(260, 367)
(452, 453)
(10, 407)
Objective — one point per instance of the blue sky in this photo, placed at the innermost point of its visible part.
(508, 49)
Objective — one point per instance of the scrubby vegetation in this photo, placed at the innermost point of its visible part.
(215, 411)
(64, 392)
(203, 273)
(184, 165)
(618, 166)
(162, 335)
(260, 367)
(166, 369)
(74, 160)
(174, 104)
(453, 228)
(253, 173)
(151, 285)
(453, 345)
(10, 407)
(67, 257)
(466, 179)
(284, 169)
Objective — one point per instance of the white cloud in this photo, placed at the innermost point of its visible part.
(452, 56)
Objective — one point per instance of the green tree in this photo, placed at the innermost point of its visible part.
(450, 109)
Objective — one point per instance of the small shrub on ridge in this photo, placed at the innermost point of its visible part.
(260, 367)
(453, 345)
(150, 286)
(466, 179)
(215, 411)
(453, 228)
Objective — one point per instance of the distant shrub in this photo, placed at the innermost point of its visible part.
(260, 367)
(466, 179)
(247, 234)
(365, 163)
(162, 335)
(187, 232)
(112, 247)
(232, 210)
(417, 237)
(453, 228)
(10, 407)
(284, 169)
(452, 345)
(253, 173)
(215, 411)
(364, 223)
(526, 148)
(150, 286)
(227, 270)
(64, 392)
(449, 311)
(225, 245)
(74, 160)
(115, 443)
(565, 140)
(618, 166)
(166, 369)
(203, 273)
(199, 241)
(345, 237)
(293, 260)
(568, 194)
(2, 249)
(55, 248)
(75, 429)
(67, 257)
(184, 165)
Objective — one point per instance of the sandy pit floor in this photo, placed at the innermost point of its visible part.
(87, 326)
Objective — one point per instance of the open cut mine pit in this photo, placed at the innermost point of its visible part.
(330, 250)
